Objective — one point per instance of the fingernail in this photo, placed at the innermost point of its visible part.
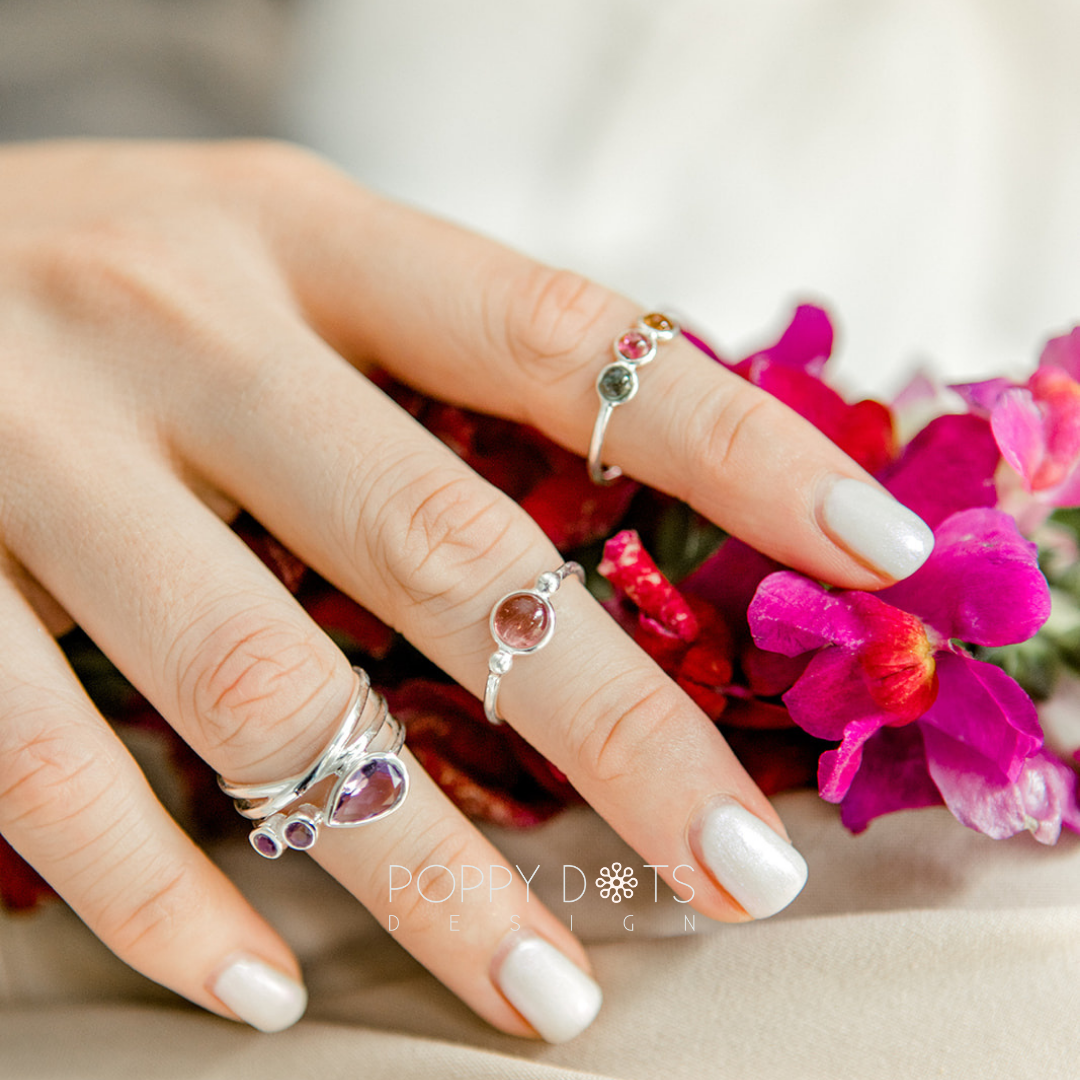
(259, 994)
(873, 525)
(547, 988)
(756, 865)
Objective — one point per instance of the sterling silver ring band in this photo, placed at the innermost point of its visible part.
(370, 781)
(521, 623)
(617, 383)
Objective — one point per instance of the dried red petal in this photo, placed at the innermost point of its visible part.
(632, 571)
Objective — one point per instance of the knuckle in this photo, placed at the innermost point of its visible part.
(52, 773)
(106, 272)
(437, 531)
(719, 426)
(251, 682)
(609, 748)
(165, 896)
(553, 323)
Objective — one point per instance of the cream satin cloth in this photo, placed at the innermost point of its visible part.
(916, 164)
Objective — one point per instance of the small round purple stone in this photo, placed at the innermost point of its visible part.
(300, 835)
(266, 845)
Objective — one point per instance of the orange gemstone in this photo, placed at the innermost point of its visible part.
(661, 323)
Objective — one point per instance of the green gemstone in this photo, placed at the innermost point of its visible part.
(616, 383)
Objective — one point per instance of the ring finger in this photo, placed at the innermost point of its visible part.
(213, 640)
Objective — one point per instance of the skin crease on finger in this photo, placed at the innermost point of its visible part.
(157, 322)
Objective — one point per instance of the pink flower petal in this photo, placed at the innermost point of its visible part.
(981, 397)
(805, 345)
(981, 584)
(1058, 397)
(838, 768)
(832, 697)
(1063, 352)
(948, 466)
(1018, 428)
(893, 776)
(791, 614)
(1041, 795)
(981, 707)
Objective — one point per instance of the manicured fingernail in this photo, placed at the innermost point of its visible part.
(874, 526)
(756, 865)
(547, 988)
(259, 994)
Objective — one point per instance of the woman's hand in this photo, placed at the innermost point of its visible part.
(173, 323)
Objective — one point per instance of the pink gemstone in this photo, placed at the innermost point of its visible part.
(633, 345)
(369, 791)
(521, 621)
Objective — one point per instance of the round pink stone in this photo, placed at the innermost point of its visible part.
(633, 345)
(521, 621)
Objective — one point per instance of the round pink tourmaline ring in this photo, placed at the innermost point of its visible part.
(369, 781)
(617, 383)
(522, 622)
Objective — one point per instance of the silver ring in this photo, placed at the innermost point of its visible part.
(521, 623)
(618, 382)
(371, 781)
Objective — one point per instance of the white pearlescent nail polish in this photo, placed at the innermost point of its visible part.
(259, 994)
(756, 865)
(547, 988)
(874, 526)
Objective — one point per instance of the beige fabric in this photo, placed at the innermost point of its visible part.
(917, 950)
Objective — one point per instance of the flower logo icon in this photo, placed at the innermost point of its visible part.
(617, 882)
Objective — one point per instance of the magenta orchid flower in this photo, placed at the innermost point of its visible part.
(917, 718)
(1037, 423)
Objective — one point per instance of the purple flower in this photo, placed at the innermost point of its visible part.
(917, 718)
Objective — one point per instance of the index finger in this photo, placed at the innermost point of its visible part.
(475, 323)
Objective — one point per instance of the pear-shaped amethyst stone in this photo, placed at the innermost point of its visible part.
(368, 791)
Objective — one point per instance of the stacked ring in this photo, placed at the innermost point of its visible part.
(521, 623)
(370, 781)
(617, 383)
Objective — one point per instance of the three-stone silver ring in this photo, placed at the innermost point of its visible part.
(370, 781)
(617, 383)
